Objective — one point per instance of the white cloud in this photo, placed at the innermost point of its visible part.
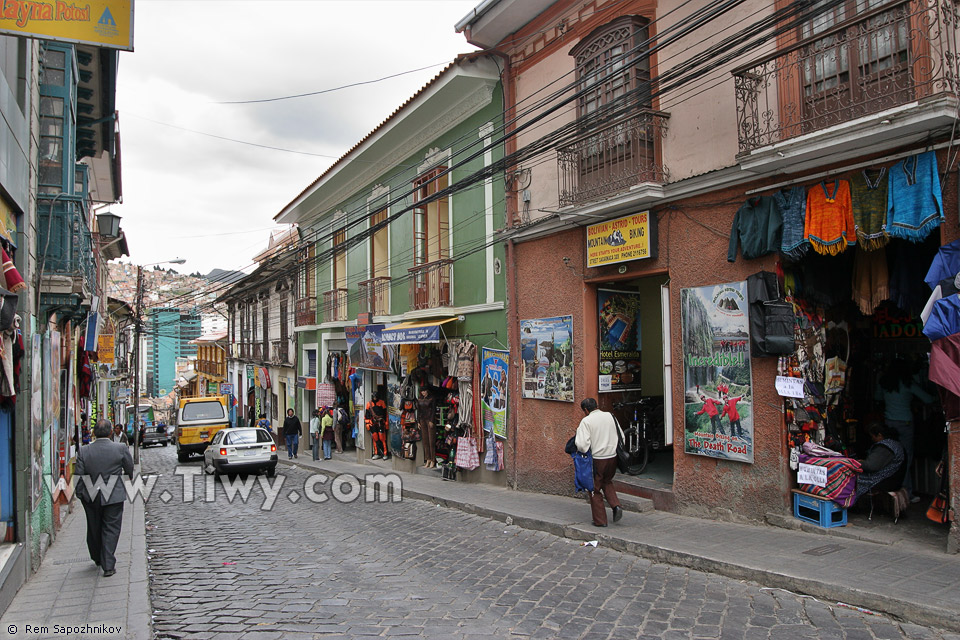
(209, 200)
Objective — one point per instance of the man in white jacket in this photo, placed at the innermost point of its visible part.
(597, 433)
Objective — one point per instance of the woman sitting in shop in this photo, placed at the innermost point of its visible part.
(898, 389)
(885, 464)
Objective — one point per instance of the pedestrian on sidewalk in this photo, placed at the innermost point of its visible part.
(327, 429)
(101, 492)
(119, 435)
(597, 433)
(315, 434)
(292, 429)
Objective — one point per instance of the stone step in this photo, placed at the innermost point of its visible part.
(635, 503)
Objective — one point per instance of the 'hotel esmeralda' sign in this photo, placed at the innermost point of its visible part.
(631, 237)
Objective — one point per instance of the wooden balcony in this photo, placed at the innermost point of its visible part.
(430, 285)
(613, 159)
(375, 296)
(335, 305)
(280, 353)
(305, 312)
(887, 57)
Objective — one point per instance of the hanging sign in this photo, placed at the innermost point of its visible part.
(104, 23)
(718, 388)
(105, 344)
(619, 339)
(789, 387)
(628, 238)
(546, 348)
(812, 474)
(494, 368)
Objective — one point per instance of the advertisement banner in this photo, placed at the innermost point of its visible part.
(546, 348)
(718, 396)
(411, 335)
(494, 367)
(365, 348)
(105, 23)
(105, 348)
(620, 362)
(628, 238)
(36, 420)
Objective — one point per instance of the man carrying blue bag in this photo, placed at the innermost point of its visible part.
(598, 435)
(582, 467)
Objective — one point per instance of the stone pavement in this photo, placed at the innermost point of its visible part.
(70, 591)
(912, 585)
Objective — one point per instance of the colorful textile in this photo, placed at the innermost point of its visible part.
(868, 200)
(914, 200)
(841, 479)
(793, 208)
(869, 479)
(757, 228)
(13, 280)
(944, 318)
(829, 223)
(945, 372)
(870, 280)
(946, 264)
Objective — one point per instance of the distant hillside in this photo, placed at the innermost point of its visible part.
(222, 275)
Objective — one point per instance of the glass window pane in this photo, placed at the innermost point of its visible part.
(50, 106)
(51, 173)
(50, 149)
(51, 127)
(54, 58)
(52, 77)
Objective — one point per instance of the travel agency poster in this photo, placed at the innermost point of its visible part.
(718, 397)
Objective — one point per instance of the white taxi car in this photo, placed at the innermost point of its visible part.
(241, 450)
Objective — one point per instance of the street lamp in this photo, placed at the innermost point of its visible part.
(138, 308)
(109, 225)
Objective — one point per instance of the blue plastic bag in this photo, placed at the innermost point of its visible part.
(582, 471)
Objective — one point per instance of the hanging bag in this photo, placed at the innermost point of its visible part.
(938, 511)
(467, 456)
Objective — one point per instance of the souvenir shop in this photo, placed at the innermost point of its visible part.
(423, 400)
(863, 287)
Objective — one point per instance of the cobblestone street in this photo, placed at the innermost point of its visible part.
(303, 569)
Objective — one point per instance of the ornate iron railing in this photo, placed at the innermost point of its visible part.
(886, 57)
(65, 239)
(375, 296)
(305, 312)
(613, 159)
(430, 285)
(335, 305)
(281, 352)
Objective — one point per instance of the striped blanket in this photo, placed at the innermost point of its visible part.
(841, 479)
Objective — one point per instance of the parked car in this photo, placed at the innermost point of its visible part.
(241, 450)
(153, 434)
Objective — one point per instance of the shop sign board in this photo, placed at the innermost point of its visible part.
(326, 395)
(306, 383)
(812, 474)
(226, 389)
(789, 387)
(631, 237)
(365, 348)
(104, 23)
(620, 361)
(411, 335)
(546, 349)
(494, 369)
(718, 386)
(105, 348)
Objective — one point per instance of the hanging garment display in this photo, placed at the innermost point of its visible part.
(946, 264)
(914, 199)
(829, 222)
(946, 287)
(757, 229)
(871, 280)
(868, 201)
(944, 318)
(945, 372)
(792, 204)
(13, 281)
(905, 273)
(466, 353)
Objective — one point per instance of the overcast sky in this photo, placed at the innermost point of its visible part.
(191, 192)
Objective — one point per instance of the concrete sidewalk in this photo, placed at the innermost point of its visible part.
(911, 585)
(70, 591)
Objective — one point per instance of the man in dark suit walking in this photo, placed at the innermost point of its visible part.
(101, 492)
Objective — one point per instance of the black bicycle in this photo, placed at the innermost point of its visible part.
(636, 436)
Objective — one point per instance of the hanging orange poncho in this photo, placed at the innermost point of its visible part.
(829, 224)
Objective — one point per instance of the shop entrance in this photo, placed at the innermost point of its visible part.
(861, 350)
(633, 374)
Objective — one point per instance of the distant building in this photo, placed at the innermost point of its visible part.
(169, 332)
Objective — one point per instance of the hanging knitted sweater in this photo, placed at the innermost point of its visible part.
(792, 204)
(914, 200)
(829, 223)
(757, 227)
(868, 198)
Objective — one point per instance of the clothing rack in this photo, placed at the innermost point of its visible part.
(473, 335)
(852, 167)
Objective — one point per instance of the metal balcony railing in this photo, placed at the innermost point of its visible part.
(65, 241)
(430, 285)
(375, 296)
(257, 354)
(613, 159)
(305, 312)
(889, 56)
(280, 352)
(335, 305)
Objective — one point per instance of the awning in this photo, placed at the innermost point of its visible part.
(414, 332)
